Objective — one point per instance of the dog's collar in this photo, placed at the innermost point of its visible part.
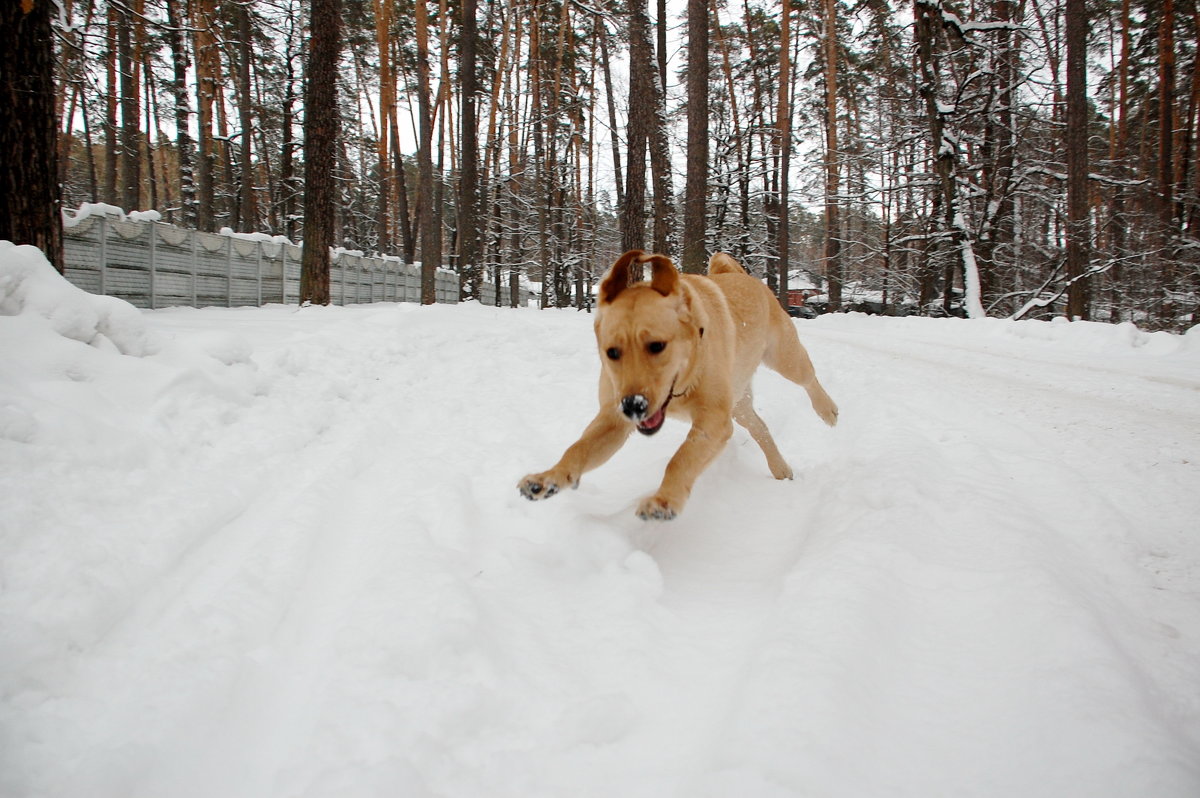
(671, 394)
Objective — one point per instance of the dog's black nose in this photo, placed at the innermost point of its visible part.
(635, 407)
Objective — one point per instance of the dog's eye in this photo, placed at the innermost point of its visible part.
(613, 353)
(655, 347)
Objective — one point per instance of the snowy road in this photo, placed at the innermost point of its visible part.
(281, 553)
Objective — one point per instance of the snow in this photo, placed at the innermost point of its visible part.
(89, 209)
(265, 238)
(71, 218)
(799, 279)
(971, 291)
(280, 552)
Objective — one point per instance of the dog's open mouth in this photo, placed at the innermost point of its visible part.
(653, 423)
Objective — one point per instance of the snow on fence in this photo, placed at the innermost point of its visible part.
(151, 264)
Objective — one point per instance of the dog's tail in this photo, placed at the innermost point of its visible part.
(723, 263)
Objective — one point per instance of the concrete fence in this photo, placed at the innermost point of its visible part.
(152, 264)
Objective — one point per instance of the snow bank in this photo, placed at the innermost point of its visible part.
(1093, 336)
(88, 374)
(93, 401)
(1059, 334)
(32, 289)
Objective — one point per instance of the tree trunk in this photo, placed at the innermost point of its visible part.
(784, 141)
(944, 149)
(320, 149)
(514, 182)
(387, 110)
(1118, 153)
(833, 236)
(740, 171)
(444, 120)
(641, 118)
(183, 141)
(205, 47)
(661, 49)
(660, 170)
(546, 159)
(112, 95)
(469, 238)
(1190, 157)
(408, 244)
(154, 136)
(289, 186)
(29, 195)
(695, 245)
(602, 35)
(1078, 227)
(998, 152)
(225, 193)
(431, 244)
(1166, 115)
(93, 182)
(130, 157)
(246, 219)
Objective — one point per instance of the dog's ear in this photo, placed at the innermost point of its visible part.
(617, 279)
(664, 276)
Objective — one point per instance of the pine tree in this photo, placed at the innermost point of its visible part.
(695, 214)
(29, 198)
(320, 148)
(1078, 223)
(431, 235)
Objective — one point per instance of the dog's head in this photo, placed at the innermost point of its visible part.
(647, 335)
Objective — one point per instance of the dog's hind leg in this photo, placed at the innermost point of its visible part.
(786, 355)
(744, 414)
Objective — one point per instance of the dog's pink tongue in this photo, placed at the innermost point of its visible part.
(654, 421)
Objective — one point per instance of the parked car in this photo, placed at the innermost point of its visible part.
(801, 312)
(937, 310)
(869, 306)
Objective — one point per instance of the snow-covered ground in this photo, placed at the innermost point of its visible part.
(280, 552)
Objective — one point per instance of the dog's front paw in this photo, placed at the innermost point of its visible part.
(541, 486)
(656, 508)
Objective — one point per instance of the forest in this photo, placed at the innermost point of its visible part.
(1010, 158)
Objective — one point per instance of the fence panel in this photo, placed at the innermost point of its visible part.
(153, 264)
(174, 283)
(84, 257)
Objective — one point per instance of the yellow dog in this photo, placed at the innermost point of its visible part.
(686, 346)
